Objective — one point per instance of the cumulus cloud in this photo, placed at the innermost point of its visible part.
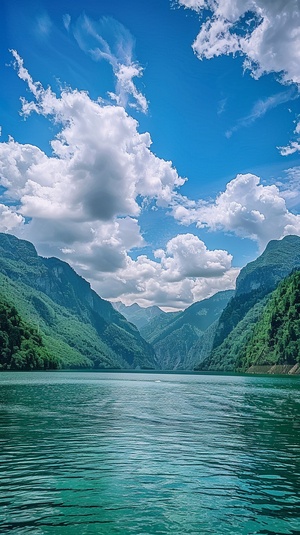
(197, 5)
(108, 40)
(184, 272)
(9, 219)
(247, 208)
(187, 256)
(265, 32)
(100, 163)
(81, 202)
(99, 168)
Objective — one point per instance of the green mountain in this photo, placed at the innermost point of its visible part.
(77, 327)
(137, 315)
(258, 279)
(254, 286)
(21, 344)
(276, 336)
(176, 336)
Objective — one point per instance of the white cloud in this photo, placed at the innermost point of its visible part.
(265, 32)
(107, 39)
(262, 106)
(187, 256)
(81, 202)
(221, 106)
(293, 146)
(10, 221)
(270, 42)
(289, 186)
(99, 167)
(100, 163)
(186, 271)
(67, 21)
(43, 25)
(197, 5)
(246, 208)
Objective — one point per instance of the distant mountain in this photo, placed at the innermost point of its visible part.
(137, 315)
(175, 337)
(254, 287)
(77, 326)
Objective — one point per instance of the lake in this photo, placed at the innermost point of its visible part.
(136, 453)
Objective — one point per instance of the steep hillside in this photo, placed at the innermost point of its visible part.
(21, 345)
(226, 356)
(79, 327)
(276, 336)
(137, 315)
(257, 280)
(174, 337)
(254, 287)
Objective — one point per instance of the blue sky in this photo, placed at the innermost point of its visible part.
(216, 88)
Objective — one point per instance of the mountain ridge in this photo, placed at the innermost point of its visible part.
(173, 337)
(67, 309)
(255, 284)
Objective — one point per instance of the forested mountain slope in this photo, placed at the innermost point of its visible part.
(276, 336)
(78, 327)
(254, 286)
(21, 345)
(257, 279)
(174, 337)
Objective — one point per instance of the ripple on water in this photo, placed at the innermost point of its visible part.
(92, 453)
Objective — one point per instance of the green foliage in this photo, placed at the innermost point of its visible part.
(21, 345)
(79, 328)
(226, 355)
(234, 312)
(175, 337)
(269, 334)
(254, 285)
(276, 337)
(257, 280)
(274, 264)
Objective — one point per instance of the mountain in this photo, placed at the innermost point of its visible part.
(77, 326)
(137, 315)
(21, 344)
(176, 336)
(257, 279)
(276, 336)
(254, 286)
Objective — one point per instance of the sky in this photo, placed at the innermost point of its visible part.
(154, 145)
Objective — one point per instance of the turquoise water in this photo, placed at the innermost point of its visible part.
(98, 453)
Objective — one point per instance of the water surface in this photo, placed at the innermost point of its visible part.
(99, 453)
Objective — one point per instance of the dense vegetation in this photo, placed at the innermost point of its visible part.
(276, 336)
(79, 328)
(21, 345)
(237, 343)
(50, 317)
(176, 337)
(256, 280)
(225, 357)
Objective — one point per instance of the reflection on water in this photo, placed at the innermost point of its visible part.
(96, 453)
